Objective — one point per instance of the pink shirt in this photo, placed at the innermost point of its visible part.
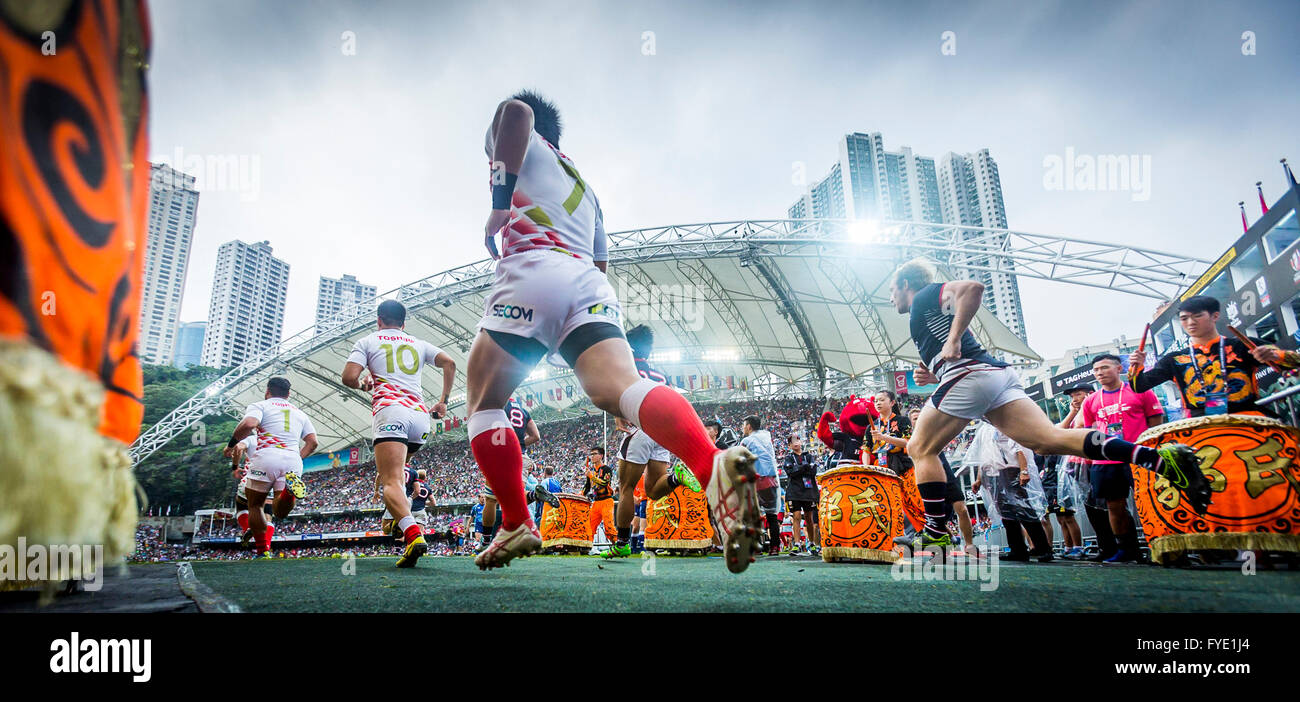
(1122, 413)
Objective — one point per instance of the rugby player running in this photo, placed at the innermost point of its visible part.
(550, 299)
(972, 384)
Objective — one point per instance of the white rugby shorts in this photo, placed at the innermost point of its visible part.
(545, 295)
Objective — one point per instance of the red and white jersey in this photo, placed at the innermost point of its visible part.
(553, 208)
(280, 425)
(394, 359)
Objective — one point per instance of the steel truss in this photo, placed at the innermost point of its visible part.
(1129, 269)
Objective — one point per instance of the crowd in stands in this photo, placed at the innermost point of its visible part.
(151, 548)
(454, 478)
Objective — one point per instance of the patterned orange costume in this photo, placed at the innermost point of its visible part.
(600, 485)
(74, 188)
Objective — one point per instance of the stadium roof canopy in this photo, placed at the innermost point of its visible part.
(790, 306)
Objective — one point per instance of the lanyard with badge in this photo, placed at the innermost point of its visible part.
(1215, 402)
(1114, 419)
(801, 461)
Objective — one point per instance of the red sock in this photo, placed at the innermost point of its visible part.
(412, 532)
(671, 421)
(242, 520)
(500, 458)
(262, 544)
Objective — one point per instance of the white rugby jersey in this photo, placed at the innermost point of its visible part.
(394, 359)
(280, 425)
(553, 208)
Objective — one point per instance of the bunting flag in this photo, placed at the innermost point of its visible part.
(1259, 188)
(692, 382)
(717, 381)
(731, 382)
(704, 382)
(456, 422)
(529, 402)
(681, 382)
(568, 390)
(744, 384)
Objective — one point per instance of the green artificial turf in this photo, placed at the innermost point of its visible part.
(782, 584)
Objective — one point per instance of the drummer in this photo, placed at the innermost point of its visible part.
(1214, 374)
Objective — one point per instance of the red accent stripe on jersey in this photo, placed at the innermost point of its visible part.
(265, 441)
(386, 394)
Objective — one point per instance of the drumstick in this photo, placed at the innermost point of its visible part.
(1142, 345)
(1250, 345)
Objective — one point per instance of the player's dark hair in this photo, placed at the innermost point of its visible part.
(548, 470)
(546, 119)
(754, 422)
(642, 340)
(392, 313)
(599, 450)
(278, 387)
(1198, 304)
(1107, 357)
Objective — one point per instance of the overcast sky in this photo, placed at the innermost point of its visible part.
(371, 163)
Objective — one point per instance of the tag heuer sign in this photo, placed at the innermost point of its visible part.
(1081, 374)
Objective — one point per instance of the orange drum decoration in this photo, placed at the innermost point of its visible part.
(680, 520)
(566, 525)
(1251, 463)
(913, 508)
(860, 513)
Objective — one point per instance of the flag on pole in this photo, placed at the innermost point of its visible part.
(1244, 227)
(692, 382)
(1259, 188)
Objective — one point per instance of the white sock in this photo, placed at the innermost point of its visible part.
(487, 420)
(405, 522)
(629, 404)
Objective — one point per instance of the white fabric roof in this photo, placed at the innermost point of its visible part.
(751, 313)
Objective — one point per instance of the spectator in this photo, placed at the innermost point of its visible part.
(759, 442)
